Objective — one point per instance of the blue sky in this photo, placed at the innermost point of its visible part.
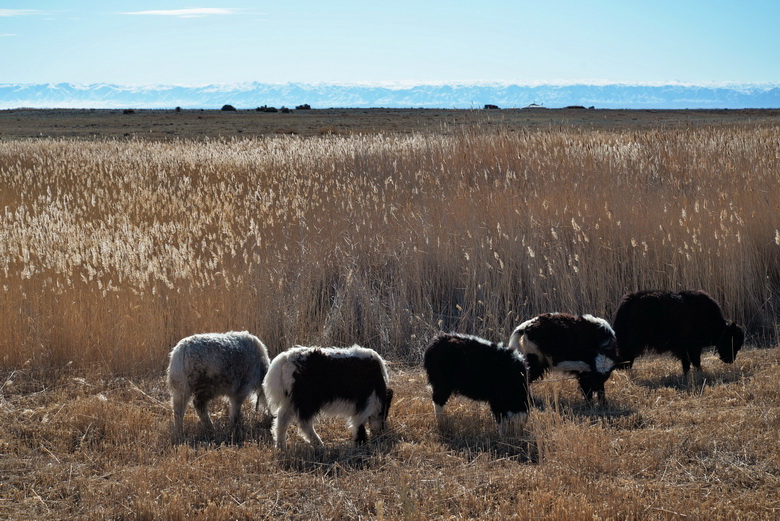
(194, 42)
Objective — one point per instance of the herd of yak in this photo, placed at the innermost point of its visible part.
(302, 383)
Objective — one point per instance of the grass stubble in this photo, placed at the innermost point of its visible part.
(113, 250)
(98, 447)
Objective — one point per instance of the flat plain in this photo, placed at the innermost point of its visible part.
(122, 233)
(195, 124)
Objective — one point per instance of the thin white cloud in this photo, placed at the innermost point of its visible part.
(186, 13)
(20, 12)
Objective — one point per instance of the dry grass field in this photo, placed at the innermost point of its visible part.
(97, 446)
(381, 228)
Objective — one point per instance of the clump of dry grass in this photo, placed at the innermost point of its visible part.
(112, 251)
(88, 445)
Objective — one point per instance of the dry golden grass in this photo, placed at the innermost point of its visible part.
(93, 446)
(111, 251)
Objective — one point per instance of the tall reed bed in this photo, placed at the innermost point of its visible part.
(112, 250)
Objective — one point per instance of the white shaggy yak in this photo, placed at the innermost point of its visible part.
(305, 382)
(206, 366)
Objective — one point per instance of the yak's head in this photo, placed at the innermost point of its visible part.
(731, 342)
(377, 422)
(607, 357)
(592, 383)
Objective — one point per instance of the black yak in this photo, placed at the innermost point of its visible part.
(480, 370)
(681, 323)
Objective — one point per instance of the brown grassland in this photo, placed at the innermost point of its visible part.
(122, 233)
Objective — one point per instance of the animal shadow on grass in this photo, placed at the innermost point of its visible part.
(472, 438)
(694, 381)
(254, 428)
(613, 413)
(334, 459)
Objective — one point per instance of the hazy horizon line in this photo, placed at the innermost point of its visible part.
(416, 83)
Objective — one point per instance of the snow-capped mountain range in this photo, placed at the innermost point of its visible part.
(463, 95)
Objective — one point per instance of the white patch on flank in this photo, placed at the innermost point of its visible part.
(372, 411)
(524, 325)
(573, 366)
(604, 363)
(346, 409)
(340, 408)
(474, 338)
(355, 351)
(517, 354)
(599, 322)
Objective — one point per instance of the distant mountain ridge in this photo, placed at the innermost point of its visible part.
(464, 95)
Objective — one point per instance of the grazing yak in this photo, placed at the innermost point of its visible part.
(304, 382)
(209, 365)
(583, 346)
(480, 370)
(681, 323)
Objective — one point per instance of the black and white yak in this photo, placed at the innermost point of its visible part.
(583, 346)
(480, 370)
(206, 366)
(305, 382)
(681, 323)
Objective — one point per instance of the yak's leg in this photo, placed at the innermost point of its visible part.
(685, 361)
(282, 421)
(235, 416)
(694, 355)
(359, 433)
(592, 385)
(179, 402)
(439, 401)
(235, 409)
(535, 367)
(306, 428)
(201, 404)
